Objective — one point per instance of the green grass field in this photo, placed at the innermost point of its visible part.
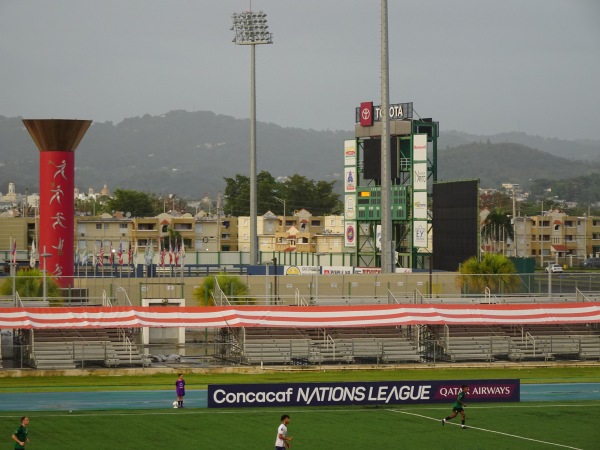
(491, 426)
(569, 374)
(527, 425)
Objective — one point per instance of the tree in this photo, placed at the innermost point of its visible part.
(296, 191)
(495, 272)
(237, 195)
(497, 227)
(139, 204)
(29, 284)
(233, 287)
(495, 199)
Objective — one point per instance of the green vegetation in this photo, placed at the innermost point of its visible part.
(139, 204)
(29, 283)
(497, 226)
(531, 425)
(296, 191)
(495, 272)
(505, 426)
(233, 287)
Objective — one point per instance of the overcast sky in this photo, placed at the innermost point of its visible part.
(478, 66)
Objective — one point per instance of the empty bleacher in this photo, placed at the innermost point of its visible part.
(553, 341)
(471, 343)
(328, 346)
(275, 346)
(77, 348)
(517, 342)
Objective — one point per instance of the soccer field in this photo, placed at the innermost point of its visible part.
(542, 420)
(543, 425)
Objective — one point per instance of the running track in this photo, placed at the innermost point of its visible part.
(158, 399)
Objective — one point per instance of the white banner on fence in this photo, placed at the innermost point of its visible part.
(337, 270)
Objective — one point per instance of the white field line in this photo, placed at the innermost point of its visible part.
(486, 430)
(301, 410)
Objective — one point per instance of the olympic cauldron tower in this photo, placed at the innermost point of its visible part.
(57, 140)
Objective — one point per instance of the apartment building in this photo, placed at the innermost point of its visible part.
(557, 237)
(302, 232)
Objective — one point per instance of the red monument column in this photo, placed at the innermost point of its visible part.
(57, 140)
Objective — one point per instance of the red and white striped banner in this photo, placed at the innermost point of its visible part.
(298, 317)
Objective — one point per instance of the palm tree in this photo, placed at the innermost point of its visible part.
(497, 227)
(495, 272)
(29, 283)
(232, 286)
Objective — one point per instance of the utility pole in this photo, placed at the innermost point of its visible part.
(219, 223)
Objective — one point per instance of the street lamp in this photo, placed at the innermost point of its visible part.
(172, 197)
(514, 187)
(251, 29)
(281, 201)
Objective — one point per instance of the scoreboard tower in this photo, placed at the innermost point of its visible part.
(413, 151)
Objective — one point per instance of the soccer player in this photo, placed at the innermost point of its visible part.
(180, 390)
(282, 441)
(20, 435)
(459, 406)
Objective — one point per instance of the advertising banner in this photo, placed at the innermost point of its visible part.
(360, 393)
(350, 153)
(420, 205)
(350, 234)
(350, 179)
(420, 236)
(301, 270)
(337, 270)
(419, 147)
(350, 207)
(367, 270)
(420, 176)
(366, 114)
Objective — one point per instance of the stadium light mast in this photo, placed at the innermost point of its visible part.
(251, 29)
(387, 263)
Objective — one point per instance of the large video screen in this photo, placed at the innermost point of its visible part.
(372, 159)
(455, 223)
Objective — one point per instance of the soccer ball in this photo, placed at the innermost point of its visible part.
(175, 404)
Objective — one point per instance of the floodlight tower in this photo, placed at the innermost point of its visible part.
(251, 29)
(387, 263)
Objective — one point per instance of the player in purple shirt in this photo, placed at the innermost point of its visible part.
(180, 390)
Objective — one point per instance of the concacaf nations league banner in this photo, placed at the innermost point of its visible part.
(360, 393)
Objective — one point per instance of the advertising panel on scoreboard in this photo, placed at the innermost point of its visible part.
(420, 205)
(420, 176)
(419, 147)
(350, 233)
(350, 207)
(420, 237)
(350, 152)
(350, 179)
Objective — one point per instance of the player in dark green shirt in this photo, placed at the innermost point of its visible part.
(459, 406)
(20, 435)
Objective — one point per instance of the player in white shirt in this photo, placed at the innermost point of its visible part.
(282, 441)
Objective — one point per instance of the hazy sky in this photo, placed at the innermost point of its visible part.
(479, 66)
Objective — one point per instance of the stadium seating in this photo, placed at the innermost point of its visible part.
(517, 343)
(69, 349)
(331, 346)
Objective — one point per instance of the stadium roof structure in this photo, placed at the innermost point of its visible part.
(298, 317)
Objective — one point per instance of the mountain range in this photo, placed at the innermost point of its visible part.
(190, 154)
